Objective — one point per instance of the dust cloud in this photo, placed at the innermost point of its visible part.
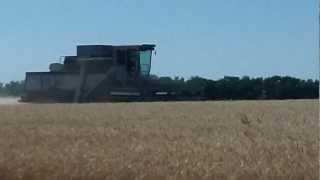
(9, 100)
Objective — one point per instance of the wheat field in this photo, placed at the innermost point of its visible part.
(220, 140)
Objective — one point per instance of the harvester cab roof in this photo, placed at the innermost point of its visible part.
(99, 57)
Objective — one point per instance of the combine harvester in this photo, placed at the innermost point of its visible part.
(99, 73)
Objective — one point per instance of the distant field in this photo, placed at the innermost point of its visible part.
(244, 140)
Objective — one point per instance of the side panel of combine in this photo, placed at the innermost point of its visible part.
(56, 87)
(49, 86)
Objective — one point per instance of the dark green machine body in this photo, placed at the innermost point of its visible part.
(97, 73)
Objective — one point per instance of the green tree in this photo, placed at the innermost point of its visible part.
(13, 88)
(196, 85)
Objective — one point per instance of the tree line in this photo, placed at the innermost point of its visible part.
(227, 88)
(236, 88)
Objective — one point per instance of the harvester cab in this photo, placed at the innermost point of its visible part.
(96, 73)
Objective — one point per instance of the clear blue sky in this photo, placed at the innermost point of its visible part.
(210, 38)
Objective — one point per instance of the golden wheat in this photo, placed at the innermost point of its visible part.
(167, 140)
